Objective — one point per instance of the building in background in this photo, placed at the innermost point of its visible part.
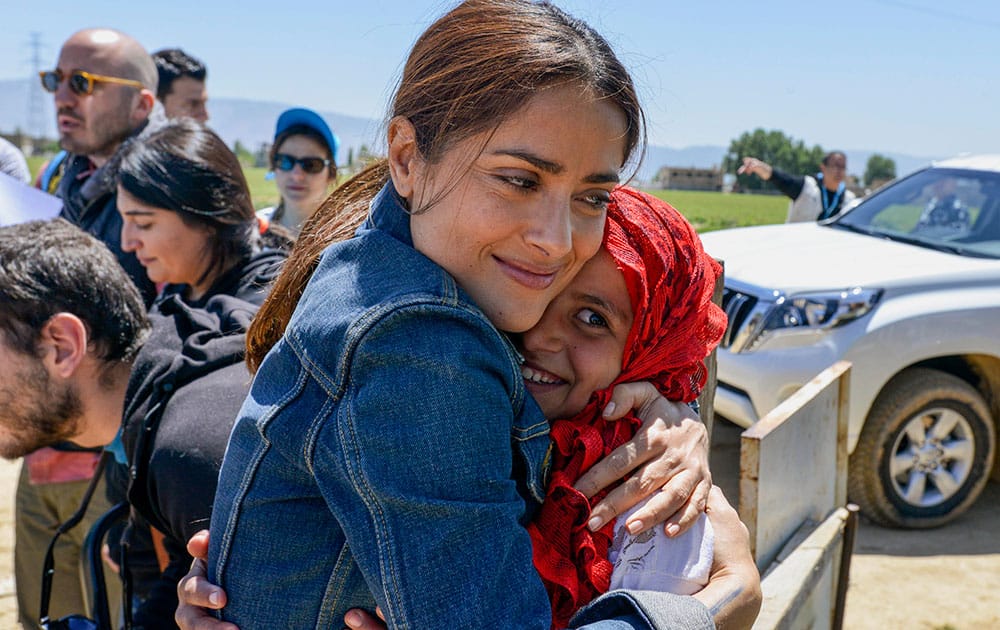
(688, 178)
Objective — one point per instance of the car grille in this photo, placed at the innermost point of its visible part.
(738, 307)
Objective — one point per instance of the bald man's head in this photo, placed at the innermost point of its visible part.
(96, 124)
(117, 54)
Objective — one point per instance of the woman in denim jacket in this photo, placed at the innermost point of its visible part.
(388, 426)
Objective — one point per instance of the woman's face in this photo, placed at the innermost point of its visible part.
(301, 191)
(516, 226)
(578, 346)
(169, 249)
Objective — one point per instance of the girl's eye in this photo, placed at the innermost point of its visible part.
(598, 200)
(592, 318)
(143, 226)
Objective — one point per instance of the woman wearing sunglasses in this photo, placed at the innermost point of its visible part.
(303, 160)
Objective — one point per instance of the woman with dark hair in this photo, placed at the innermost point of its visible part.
(187, 216)
(304, 165)
(388, 422)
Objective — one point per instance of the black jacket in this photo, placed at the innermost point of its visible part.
(184, 393)
(90, 201)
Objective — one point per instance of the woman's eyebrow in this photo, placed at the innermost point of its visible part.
(538, 162)
(555, 168)
(138, 213)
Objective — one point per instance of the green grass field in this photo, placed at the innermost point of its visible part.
(707, 211)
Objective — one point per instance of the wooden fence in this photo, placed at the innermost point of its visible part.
(793, 491)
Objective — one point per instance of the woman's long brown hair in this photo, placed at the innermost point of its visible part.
(471, 70)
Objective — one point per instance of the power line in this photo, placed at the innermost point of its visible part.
(36, 100)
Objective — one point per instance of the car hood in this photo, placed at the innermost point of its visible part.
(807, 256)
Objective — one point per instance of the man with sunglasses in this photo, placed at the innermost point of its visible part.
(104, 85)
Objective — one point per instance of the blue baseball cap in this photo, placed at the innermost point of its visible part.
(308, 118)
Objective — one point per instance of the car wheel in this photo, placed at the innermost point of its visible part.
(925, 452)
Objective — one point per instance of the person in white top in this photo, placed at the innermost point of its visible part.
(814, 197)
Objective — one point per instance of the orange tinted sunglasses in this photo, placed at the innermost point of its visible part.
(81, 82)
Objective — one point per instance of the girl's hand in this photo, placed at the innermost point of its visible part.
(667, 460)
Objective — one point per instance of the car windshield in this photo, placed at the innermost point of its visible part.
(949, 209)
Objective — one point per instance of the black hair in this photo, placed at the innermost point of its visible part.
(826, 158)
(172, 64)
(186, 168)
(54, 267)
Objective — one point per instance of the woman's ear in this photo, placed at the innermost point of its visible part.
(64, 342)
(404, 156)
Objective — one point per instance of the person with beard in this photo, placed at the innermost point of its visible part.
(104, 86)
(81, 361)
(66, 351)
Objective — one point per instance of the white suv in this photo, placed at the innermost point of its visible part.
(906, 286)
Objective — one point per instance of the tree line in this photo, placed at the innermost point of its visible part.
(793, 156)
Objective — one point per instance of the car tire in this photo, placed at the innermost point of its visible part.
(925, 452)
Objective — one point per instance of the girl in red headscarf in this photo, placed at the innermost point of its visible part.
(640, 310)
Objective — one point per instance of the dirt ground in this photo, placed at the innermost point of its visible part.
(943, 579)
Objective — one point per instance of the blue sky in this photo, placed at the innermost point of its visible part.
(910, 76)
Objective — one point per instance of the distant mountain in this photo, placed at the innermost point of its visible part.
(252, 123)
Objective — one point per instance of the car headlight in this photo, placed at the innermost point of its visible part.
(817, 311)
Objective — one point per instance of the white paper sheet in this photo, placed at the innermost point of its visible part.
(20, 202)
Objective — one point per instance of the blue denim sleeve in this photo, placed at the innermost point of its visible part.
(424, 437)
(643, 610)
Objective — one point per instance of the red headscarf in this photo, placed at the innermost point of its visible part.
(670, 281)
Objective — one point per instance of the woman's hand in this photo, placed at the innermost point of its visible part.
(667, 460)
(196, 595)
(733, 594)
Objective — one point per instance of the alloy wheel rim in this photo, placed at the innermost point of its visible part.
(932, 457)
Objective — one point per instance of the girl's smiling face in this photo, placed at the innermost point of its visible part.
(578, 346)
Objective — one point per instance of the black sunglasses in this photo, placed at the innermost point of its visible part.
(311, 165)
(81, 82)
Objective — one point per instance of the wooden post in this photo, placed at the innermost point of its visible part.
(706, 402)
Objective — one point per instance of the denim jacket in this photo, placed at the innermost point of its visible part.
(387, 454)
